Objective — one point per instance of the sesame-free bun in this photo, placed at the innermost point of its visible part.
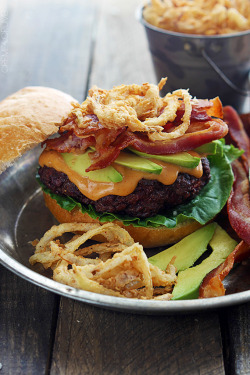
(147, 237)
(27, 118)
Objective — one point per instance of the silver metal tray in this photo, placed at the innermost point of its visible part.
(24, 218)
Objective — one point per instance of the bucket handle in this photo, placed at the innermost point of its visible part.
(222, 75)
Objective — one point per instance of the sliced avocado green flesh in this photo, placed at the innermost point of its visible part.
(208, 148)
(184, 159)
(187, 251)
(188, 281)
(79, 163)
(136, 162)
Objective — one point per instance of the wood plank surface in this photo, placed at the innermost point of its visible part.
(96, 341)
(26, 312)
(71, 45)
(27, 318)
(235, 327)
(121, 54)
(48, 43)
(44, 43)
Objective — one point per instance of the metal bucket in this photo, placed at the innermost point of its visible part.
(208, 65)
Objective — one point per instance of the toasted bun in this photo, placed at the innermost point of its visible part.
(27, 118)
(148, 237)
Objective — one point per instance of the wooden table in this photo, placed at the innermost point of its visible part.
(70, 45)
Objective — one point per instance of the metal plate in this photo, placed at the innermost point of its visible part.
(24, 218)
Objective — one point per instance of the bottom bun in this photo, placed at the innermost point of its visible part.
(147, 237)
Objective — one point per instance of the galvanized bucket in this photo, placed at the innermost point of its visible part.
(208, 65)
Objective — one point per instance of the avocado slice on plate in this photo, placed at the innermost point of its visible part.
(186, 251)
(189, 280)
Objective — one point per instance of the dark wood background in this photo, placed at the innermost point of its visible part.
(70, 45)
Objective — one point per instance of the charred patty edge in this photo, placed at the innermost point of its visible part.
(149, 198)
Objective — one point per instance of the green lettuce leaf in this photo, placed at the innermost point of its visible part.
(203, 208)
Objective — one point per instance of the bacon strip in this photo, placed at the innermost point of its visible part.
(238, 205)
(245, 118)
(216, 110)
(238, 134)
(212, 284)
(69, 142)
(198, 134)
(108, 148)
(109, 142)
(196, 115)
(71, 125)
(213, 107)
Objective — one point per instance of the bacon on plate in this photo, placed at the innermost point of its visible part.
(212, 285)
(238, 134)
(238, 205)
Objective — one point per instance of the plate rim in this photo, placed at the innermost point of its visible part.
(129, 305)
(118, 303)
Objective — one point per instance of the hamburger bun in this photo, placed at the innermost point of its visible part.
(27, 118)
(147, 237)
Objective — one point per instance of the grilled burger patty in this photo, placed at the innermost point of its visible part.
(149, 198)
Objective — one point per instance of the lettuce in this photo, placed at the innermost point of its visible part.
(203, 208)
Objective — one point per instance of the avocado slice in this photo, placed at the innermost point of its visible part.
(189, 280)
(187, 251)
(184, 159)
(208, 148)
(136, 162)
(79, 163)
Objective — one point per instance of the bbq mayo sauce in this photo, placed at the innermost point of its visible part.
(96, 190)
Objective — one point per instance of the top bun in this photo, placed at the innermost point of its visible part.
(27, 118)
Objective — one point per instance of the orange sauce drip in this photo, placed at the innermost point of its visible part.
(96, 190)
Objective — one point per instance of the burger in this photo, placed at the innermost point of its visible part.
(157, 166)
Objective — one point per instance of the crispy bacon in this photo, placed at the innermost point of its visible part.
(198, 134)
(238, 205)
(212, 284)
(216, 110)
(69, 142)
(212, 107)
(238, 134)
(196, 115)
(202, 103)
(72, 126)
(109, 142)
(199, 113)
(245, 118)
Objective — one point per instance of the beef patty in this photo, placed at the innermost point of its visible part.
(149, 198)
